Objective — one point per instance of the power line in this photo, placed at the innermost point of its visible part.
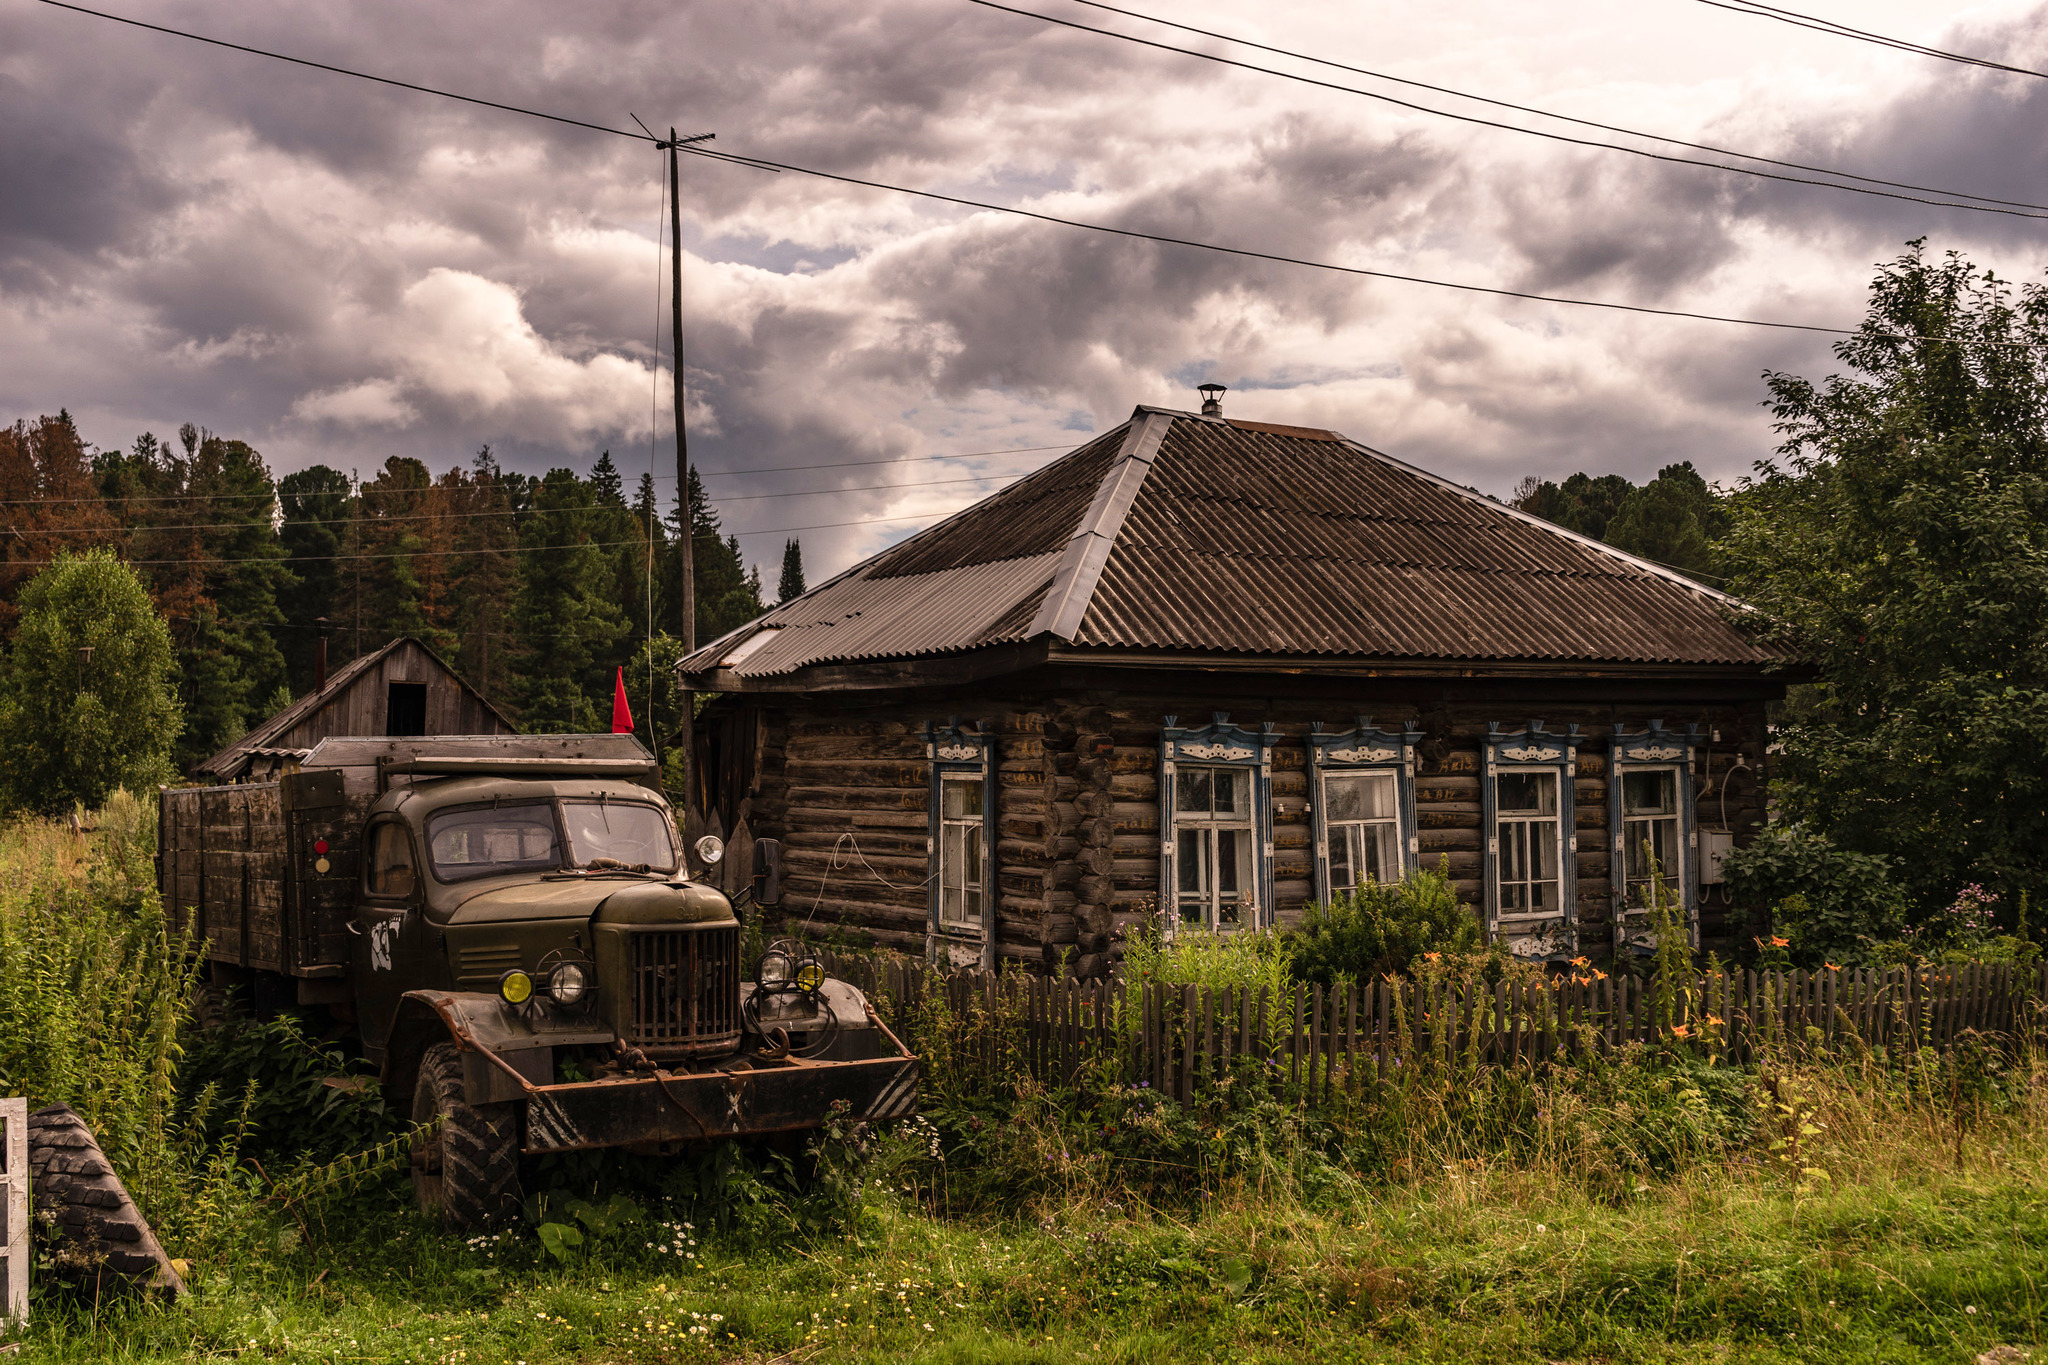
(2017, 212)
(1542, 113)
(1839, 30)
(1245, 253)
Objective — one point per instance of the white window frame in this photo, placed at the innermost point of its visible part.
(1363, 751)
(1219, 745)
(1208, 832)
(1516, 829)
(1654, 749)
(1550, 935)
(964, 754)
(971, 832)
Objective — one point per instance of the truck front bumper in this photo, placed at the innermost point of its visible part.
(681, 1106)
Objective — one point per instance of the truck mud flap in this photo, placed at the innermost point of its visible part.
(681, 1106)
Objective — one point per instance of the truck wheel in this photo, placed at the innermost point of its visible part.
(90, 1224)
(465, 1167)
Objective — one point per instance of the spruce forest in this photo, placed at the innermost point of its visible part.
(537, 589)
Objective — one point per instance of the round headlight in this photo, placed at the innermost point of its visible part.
(569, 983)
(775, 969)
(516, 986)
(710, 849)
(810, 974)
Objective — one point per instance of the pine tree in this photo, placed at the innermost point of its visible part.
(52, 505)
(792, 584)
(485, 574)
(317, 504)
(565, 615)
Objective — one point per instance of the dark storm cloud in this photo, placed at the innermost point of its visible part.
(342, 272)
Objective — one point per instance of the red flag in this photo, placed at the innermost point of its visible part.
(622, 714)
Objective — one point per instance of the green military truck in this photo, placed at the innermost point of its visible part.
(510, 926)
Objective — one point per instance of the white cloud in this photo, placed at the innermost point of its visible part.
(372, 403)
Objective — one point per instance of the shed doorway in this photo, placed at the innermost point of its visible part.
(405, 709)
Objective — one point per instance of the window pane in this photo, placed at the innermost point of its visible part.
(1233, 791)
(1651, 793)
(1382, 855)
(1542, 849)
(1188, 862)
(1191, 790)
(970, 866)
(1360, 796)
(952, 854)
(622, 831)
(1227, 866)
(1344, 873)
(961, 798)
(1534, 792)
(481, 843)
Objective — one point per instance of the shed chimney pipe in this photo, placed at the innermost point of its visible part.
(320, 656)
(1212, 399)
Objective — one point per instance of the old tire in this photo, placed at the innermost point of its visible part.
(92, 1228)
(465, 1157)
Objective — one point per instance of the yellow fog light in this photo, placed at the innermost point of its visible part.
(516, 986)
(809, 976)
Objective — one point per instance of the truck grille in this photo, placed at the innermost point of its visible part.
(686, 986)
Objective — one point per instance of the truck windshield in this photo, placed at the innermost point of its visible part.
(621, 831)
(487, 840)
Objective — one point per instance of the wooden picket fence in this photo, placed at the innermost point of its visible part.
(1175, 1038)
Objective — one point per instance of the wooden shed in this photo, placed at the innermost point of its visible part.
(402, 689)
(1208, 671)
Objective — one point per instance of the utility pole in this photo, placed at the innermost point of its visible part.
(673, 145)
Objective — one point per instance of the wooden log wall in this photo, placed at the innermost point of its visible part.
(1078, 835)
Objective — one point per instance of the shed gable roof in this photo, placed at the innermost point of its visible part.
(1183, 533)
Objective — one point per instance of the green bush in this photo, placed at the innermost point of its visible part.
(1825, 901)
(1380, 929)
(88, 704)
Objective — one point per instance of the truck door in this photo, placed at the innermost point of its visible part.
(390, 928)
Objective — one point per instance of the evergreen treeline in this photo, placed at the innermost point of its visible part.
(1673, 519)
(535, 589)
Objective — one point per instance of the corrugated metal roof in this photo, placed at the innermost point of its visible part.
(1251, 538)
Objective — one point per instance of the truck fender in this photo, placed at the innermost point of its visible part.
(503, 1050)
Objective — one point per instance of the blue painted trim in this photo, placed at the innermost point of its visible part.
(955, 748)
(1532, 749)
(1217, 745)
(1363, 749)
(1647, 750)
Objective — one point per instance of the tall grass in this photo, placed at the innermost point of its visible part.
(95, 986)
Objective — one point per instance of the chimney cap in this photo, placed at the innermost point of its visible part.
(1212, 398)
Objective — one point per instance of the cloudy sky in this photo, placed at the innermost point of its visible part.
(339, 272)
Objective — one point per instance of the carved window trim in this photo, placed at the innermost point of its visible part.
(1363, 749)
(959, 752)
(1532, 749)
(1653, 749)
(1217, 745)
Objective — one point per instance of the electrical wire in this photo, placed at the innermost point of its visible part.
(1543, 113)
(1840, 30)
(1245, 253)
(1530, 132)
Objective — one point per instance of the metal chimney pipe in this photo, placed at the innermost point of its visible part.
(1212, 399)
(320, 657)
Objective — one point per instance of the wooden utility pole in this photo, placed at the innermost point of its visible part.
(673, 145)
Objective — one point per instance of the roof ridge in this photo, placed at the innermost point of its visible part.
(1073, 585)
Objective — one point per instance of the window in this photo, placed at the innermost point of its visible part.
(1526, 823)
(1363, 815)
(622, 832)
(961, 830)
(1649, 831)
(961, 929)
(1212, 821)
(405, 709)
(391, 870)
(485, 841)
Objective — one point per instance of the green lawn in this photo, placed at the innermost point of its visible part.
(1911, 1263)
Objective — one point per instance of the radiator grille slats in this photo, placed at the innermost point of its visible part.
(685, 989)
